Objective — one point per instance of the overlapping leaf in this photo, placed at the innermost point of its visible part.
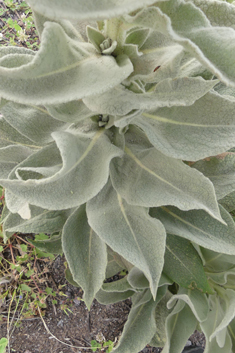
(161, 314)
(198, 227)
(52, 245)
(195, 299)
(112, 266)
(129, 231)
(160, 58)
(71, 112)
(216, 262)
(228, 202)
(140, 326)
(10, 157)
(220, 170)
(40, 178)
(167, 93)
(41, 221)
(219, 13)
(227, 303)
(188, 26)
(180, 324)
(33, 122)
(106, 298)
(86, 254)
(68, 68)
(10, 136)
(122, 285)
(203, 129)
(183, 264)
(214, 319)
(87, 9)
(154, 180)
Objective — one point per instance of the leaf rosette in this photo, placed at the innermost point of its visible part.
(117, 138)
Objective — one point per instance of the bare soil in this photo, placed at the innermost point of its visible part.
(72, 332)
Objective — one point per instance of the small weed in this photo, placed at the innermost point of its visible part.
(17, 25)
(3, 345)
(101, 344)
(24, 287)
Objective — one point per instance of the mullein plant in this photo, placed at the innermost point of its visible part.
(117, 137)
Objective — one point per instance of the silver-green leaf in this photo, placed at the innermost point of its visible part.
(79, 72)
(86, 254)
(46, 182)
(129, 231)
(155, 180)
(198, 227)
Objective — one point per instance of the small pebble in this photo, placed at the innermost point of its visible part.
(188, 343)
(60, 323)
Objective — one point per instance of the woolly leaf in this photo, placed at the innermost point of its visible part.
(167, 93)
(11, 156)
(199, 227)
(220, 170)
(41, 221)
(84, 9)
(85, 253)
(129, 231)
(39, 179)
(33, 122)
(140, 326)
(183, 264)
(52, 245)
(214, 319)
(106, 298)
(180, 324)
(155, 180)
(187, 25)
(79, 72)
(193, 132)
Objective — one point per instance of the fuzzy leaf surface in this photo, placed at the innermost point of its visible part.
(107, 298)
(161, 314)
(180, 324)
(129, 231)
(187, 25)
(122, 285)
(195, 299)
(167, 93)
(79, 154)
(33, 122)
(79, 72)
(220, 170)
(140, 326)
(82, 10)
(183, 264)
(227, 303)
(52, 245)
(219, 13)
(71, 112)
(86, 254)
(199, 227)
(203, 129)
(214, 318)
(10, 157)
(10, 136)
(155, 179)
(41, 221)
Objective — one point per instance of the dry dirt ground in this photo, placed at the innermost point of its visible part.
(75, 330)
